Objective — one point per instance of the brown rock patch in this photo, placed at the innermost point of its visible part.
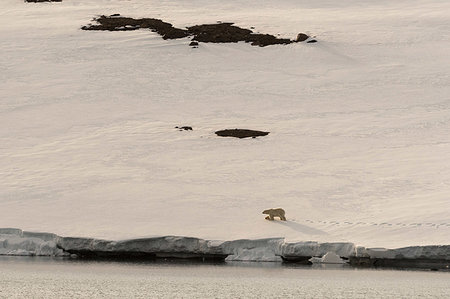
(38, 1)
(228, 33)
(240, 133)
(207, 33)
(118, 23)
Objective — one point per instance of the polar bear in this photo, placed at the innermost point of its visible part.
(278, 212)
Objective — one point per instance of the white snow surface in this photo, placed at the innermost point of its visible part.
(359, 143)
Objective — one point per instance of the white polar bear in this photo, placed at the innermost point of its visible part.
(278, 212)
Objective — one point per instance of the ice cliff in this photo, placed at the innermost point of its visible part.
(17, 242)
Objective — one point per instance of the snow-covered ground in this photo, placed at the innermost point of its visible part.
(359, 148)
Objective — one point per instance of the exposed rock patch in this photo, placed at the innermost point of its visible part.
(194, 44)
(301, 37)
(228, 33)
(118, 23)
(36, 1)
(184, 128)
(207, 33)
(240, 133)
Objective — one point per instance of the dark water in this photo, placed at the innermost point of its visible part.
(25, 277)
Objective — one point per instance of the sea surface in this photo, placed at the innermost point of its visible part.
(32, 277)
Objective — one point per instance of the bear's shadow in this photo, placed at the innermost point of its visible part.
(301, 228)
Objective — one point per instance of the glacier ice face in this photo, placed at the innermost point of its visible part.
(263, 250)
(167, 246)
(437, 252)
(173, 246)
(342, 249)
(328, 258)
(11, 231)
(18, 242)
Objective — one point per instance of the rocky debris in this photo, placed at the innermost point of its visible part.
(184, 128)
(207, 33)
(240, 133)
(311, 41)
(37, 1)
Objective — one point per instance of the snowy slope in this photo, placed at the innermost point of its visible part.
(359, 148)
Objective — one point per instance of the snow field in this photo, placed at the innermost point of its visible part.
(360, 133)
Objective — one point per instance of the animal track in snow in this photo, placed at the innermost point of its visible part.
(382, 224)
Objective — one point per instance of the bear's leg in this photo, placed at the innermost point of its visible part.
(283, 218)
(271, 217)
(267, 218)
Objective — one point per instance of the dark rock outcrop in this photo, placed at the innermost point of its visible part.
(37, 1)
(118, 23)
(240, 133)
(301, 37)
(228, 33)
(207, 33)
(184, 128)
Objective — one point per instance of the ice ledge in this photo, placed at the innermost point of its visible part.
(150, 248)
(14, 241)
(17, 242)
(433, 257)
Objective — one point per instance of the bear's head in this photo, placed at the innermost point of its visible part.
(267, 211)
